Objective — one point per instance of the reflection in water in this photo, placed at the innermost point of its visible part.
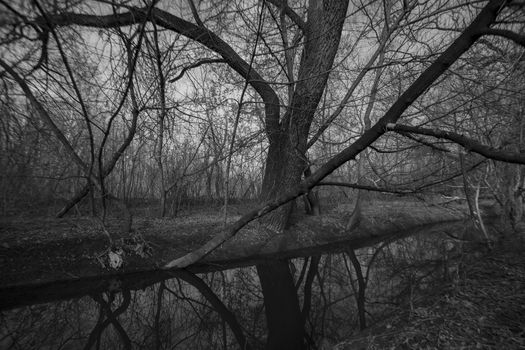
(337, 295)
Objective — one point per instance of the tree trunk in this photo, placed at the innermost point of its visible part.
(311, 199)
(286, 163)
(283, 315)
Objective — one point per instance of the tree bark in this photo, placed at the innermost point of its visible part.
(286, 163)
(286, 159)
(468, 37)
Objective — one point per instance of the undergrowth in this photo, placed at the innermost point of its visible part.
(481, 307)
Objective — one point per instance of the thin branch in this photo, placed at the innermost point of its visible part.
(468, 143)
(195, 13)
(281, 4)
(195, 65)
(469, 36)
(75, 88)
(44, 115)
(426, 143)
(507, 34)
(226, 315)
(238, 116)
(202, 35)
(379, 52)
(364, 187)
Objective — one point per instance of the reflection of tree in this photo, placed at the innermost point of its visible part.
(290, 134)
(360, 295)
(160, 292)
(307, 296)
(281, 302)
(226, 315)
(223, 310)
(110, 318)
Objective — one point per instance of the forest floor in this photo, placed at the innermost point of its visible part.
(481, 307)
(39, 250)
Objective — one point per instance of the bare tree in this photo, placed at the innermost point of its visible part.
(312, 94)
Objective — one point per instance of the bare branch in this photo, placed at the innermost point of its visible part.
(202, 35)
(379, 52)
(363, 187)
(290, 13)
(508, 34)
(484, 19)
(42, 112)
(467, 142)
(195, 13)
(195, 65)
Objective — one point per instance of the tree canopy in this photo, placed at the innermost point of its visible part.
(257, 100)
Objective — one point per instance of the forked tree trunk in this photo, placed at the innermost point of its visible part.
(286, 162)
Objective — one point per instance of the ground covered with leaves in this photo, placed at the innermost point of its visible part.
(482, 306)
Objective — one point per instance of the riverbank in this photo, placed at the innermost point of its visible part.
(37, 251)
(482, 306)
